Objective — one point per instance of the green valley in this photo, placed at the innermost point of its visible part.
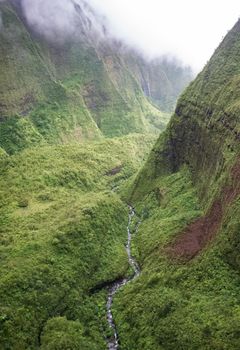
(112, 236)
(75, 126)
(63, 231)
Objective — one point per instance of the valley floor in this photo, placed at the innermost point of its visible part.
(63, 234)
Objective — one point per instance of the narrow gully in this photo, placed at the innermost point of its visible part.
(113, 343)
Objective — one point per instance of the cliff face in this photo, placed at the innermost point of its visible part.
(203, 136)
(188, 243)
(204, 130)
(162, 80)
(78, 85)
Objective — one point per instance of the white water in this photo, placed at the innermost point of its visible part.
(113, 343)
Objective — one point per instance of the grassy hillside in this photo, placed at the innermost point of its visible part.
(80, 88)
(63, 232)
(59, 92)
(187, 296)
(35, 107)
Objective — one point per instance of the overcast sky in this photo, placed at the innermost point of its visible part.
(190, 29)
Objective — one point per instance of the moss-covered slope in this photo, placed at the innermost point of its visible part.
(62, 235)
(78, 88)
(187, 296)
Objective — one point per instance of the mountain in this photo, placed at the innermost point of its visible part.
(187, 296)
(79, 113)
(65, 78)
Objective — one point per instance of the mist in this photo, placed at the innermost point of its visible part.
(186, 29)
(59, 20)
(190, 30)
(52, 18)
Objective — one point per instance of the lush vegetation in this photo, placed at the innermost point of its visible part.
(63, 232)
(64, 189)
(174, 304)
(62, 224)
(191, 180)
(74, 90)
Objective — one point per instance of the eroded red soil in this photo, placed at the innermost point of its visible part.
(199, 233)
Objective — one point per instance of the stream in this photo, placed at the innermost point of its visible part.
(113, 343)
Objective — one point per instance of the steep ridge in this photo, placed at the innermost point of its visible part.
(204, 131)
(82, 86)
(187, 296)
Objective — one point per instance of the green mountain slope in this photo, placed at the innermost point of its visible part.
(187, 296)
(62, 234)
(76, 124)
(80, 88)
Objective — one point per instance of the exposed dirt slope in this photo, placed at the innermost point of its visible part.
(199, 233)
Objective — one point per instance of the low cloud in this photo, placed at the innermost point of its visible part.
(54, 19)
(60, 19)
(189, 30)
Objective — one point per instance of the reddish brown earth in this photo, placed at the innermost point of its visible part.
(199, 233)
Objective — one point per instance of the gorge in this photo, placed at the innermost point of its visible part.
(119, 189)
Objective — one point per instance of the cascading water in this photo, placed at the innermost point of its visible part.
(113, 343)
